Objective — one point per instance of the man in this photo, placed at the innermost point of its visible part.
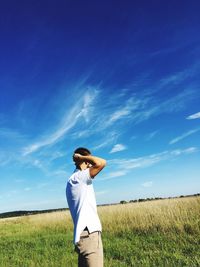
(82, 205)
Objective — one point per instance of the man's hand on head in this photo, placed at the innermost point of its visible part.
(95, 164)
(77, 157)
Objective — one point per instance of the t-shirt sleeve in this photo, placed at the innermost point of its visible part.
(85, 176)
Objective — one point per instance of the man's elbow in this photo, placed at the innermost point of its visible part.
(97, 167)
(102, 163)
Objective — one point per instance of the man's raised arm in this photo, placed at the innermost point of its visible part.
(97, 163)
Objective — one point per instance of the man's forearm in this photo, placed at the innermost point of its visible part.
(94, 161)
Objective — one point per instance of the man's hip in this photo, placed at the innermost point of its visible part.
(90, 249)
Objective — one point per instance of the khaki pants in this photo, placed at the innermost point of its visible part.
(90, 250)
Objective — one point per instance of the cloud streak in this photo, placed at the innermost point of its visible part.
(115, 174)
(117, 148)
(109, 139)
(180, 76)
(194, 116)
(151, 135)
(126, 111)
(173, 104)
(124, 166)
(183, 136)
(80, 110)
(139, 108)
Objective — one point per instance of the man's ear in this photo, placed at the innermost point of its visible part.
(89, 165)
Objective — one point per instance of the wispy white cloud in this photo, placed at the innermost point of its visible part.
(109, 139)
(87, 106)
(179, 101)
(11, 134)
(151, 135)
(139, 108)
(82, 133)
(179, 77)
(57, 154)
(124, 166)
(194, 116)
(114, 174)
(140, 162)
(68, 122)
(79, 110)
(146, 104)
(117, 148)
(189, 150)
(147, 184)
(135, 109)
(119, 114)
(183, 136)
(126, 109)
(173, 104)
(164, 51)
(5, 158)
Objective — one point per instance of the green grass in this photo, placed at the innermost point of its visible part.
(23, 246)
(46, 240)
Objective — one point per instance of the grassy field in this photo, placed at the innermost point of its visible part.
(155, 233)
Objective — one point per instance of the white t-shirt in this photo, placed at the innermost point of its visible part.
(82, 203)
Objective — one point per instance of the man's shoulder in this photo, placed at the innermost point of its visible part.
(80, 176)
(77, 174)
(73, 175)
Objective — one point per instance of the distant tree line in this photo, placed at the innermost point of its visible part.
(140, 200)
(24, 212)
(155, 198)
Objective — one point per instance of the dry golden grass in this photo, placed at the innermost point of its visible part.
(163, 215)
(153, 233)
(58, 217)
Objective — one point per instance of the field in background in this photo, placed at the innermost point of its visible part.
(154, 233)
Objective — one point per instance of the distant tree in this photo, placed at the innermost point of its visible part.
(132, 201)
(123, 202)
(141, 200)
(149, 199)
(157, 198)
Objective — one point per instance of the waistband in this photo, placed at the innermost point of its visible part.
(85, 233)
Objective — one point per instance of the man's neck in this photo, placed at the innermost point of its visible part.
(81, 167)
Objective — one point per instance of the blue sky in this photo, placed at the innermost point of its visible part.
(121, 78)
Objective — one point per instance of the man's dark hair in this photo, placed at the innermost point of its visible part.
(82, 151)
